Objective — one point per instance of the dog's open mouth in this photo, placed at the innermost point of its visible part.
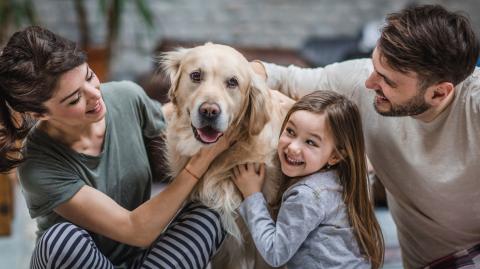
(207, 134)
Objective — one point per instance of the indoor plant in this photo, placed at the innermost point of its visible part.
(13, 14)
(113, 11)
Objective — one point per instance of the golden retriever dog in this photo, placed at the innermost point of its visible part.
(215, 92)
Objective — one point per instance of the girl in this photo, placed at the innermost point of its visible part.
(85, 170)
(325, 219)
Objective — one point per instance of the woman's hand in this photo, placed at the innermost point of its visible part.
(200, 162)
(248, 179)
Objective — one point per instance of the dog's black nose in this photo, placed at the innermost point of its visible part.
(209, 110)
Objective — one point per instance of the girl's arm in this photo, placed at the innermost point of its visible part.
(299, 214)
(97, 212)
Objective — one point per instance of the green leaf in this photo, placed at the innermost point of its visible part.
(118, 8)
(31, 15)
(4, 13)
(102, 5)
(17, 13)
(145, 13)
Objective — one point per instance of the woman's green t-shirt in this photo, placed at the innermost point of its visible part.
(53, 172)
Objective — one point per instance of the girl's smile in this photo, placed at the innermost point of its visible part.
(293, 161)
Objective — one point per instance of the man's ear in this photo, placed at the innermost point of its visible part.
(437, 93)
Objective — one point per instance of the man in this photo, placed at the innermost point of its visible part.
(423, 130)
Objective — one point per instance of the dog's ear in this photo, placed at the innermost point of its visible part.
(257, 113)
(170, 63)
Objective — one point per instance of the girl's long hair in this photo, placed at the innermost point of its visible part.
(344, 122)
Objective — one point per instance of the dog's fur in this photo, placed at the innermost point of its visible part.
(247, 112)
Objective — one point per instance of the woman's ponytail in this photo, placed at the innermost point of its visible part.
(14, 127)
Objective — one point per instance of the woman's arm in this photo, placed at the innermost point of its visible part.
(96, 212)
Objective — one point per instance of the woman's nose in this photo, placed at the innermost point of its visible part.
(92, 96)
(93, 92)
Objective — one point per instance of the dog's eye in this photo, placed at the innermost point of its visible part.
(232, 83)
(196, 76)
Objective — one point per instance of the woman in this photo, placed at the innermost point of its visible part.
(84, 167)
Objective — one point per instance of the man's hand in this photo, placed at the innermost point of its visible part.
(247, 179)
(259, 69)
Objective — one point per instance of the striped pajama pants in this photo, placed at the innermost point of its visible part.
(189, 242)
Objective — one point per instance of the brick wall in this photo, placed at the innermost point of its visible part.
(261, 23)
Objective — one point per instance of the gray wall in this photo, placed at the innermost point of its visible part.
(261, 23)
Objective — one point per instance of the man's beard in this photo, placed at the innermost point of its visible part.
(415, 106)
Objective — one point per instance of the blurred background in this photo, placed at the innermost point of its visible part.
(124, 37)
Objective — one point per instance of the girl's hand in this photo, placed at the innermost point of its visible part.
(199, 163)
(247, 179)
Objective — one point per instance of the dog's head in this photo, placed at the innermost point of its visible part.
(215, 91)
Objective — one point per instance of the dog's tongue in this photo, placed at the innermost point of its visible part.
(208, 134)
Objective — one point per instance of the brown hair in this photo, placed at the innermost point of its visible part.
(438, 45)
(344, 122)
(30, 65)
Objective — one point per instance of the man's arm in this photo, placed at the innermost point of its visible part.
(296, 82)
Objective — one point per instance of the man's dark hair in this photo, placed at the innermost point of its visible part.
(438, 45)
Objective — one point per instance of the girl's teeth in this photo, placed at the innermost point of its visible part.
(294, 162)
